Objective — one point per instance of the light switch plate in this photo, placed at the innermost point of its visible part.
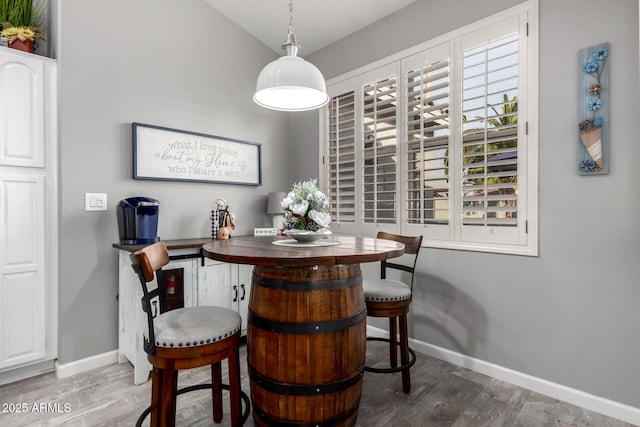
(264, 232)
(95, 202)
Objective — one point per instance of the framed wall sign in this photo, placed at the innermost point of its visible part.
(161, 153)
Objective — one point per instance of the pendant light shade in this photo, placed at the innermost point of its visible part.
(290, 83)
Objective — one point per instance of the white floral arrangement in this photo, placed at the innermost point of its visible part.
(306, 207)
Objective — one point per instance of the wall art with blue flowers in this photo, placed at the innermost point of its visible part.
(593, 81)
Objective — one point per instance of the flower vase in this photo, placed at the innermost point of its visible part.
(592, 141)
(25, 46)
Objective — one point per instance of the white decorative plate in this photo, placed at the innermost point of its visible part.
(304, 236)
(307, 244)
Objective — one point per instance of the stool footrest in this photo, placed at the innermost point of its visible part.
(243, 396)
(410, 363)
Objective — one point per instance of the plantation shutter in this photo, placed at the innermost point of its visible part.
(441, 140)
(341, 158)
(379, 148)
(489, 155)
(428, 102)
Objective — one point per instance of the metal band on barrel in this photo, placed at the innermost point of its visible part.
(304, 389)
(315, 285)
(326, 423)
(306, 328)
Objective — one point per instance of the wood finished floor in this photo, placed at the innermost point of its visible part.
(442, 395)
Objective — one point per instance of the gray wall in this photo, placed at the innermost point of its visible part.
(178, 64)
(570, 315)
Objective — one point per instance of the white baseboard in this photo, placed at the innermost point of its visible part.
(83, 365)
(24, 372)
(576, 397)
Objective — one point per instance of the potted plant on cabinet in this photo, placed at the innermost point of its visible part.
(21, 22)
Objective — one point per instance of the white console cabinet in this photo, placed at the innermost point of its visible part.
(206, 282)
(28, 214)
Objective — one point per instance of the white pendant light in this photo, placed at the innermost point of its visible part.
(290, 83)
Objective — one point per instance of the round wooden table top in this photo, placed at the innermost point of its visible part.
(262, 251)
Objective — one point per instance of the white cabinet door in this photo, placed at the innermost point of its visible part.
(28, 210)
(216, 284)
(22, 107)
(22, 269)
(225, 285)
(244, 286)
(132, 321)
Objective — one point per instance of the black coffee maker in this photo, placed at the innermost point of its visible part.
(138, 220)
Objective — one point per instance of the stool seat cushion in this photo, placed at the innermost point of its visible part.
(385, 290)
(195, 326)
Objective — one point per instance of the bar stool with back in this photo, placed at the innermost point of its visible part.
(186, 338)
(391, 298)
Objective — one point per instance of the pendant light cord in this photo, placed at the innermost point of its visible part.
(290, 15)
(290, 45)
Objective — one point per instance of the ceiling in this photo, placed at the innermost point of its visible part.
(316, 23)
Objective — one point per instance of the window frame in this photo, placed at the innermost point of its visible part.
(485, 239)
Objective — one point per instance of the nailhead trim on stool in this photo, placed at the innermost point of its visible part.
(386, 290)
(181, 327)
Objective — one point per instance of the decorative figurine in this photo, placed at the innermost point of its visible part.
(222, 221)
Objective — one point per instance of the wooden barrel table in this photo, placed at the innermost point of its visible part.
(306, 336)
